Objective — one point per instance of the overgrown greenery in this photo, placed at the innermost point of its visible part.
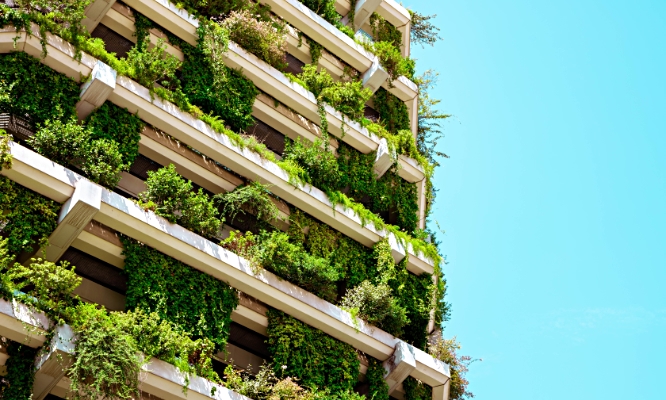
(416, 390)
(17, 383)
(308, 354)
(447, 350)
(423, 31)
(253, 198)
(171, 196)
(265, 39)
(27, 218)
(194, 301)
(379, 389)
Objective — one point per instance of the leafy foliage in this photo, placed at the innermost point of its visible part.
(253, 198)
(196, 302)
(447, 351)
(416, 390)
(393, 113)
(384, 31)
(423, 31)
(28, 217)
(313, 357)
(379, 389)
(376, 305)
(173, 197)
(17, 383)
(151, 66)
(325, 9)
(5, 155)
(319, 168)
(106, 363)
(119, 125)
(70, 143)
(260, 38)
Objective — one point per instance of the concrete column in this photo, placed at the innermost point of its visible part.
(374, 77)
(362, 13)
(51, 364)
(441, 392)
(75, 214)
(399, 366)
(421, 199)
(95, 12)
(95, 92)
(384, 159)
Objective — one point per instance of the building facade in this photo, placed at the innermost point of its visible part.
(240, 190)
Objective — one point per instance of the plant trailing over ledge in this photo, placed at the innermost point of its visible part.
(70, 143)
(173, 197)
(28, 217)
(447, 350)
(17, 383)
(261, 38)
(308, 354)
(378, 389)
(195, 302)
(252, 198)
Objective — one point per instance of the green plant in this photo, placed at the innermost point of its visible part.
(313, 357)
(423, 31)
(28, 217)
(173, 197)
(17, 383)
(5, 154)
(319, 168)
(106, 363)
(392, 60)
(70, 143)
(376, 305)
(291, 262)
(154, 66)
(253, 198)
(384, 31)
(159, 338)
(416, 390)
(325, 9)
(196, 302)
(393, 113)
(447, 350)
(119, 125)
(260, 38)
(378, 390)
(211, 85)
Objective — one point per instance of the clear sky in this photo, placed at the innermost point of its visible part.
(554, 199)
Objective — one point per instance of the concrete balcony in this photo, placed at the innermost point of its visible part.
(128, 218)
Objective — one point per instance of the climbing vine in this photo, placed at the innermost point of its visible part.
(308, 354)
(379, 390)
(195, 302)
(27, 218)
(17, 384)
(416, 390)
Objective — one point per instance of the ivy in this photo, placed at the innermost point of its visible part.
(393, 113)
(119, 125)
(17, 384)
(308, 354)
(28, 217)
(196, 302)
(173, 197)
(378, 390)
(416, 390)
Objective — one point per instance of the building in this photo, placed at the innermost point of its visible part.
(289, 224)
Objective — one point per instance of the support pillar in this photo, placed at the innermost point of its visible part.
(95, 92)
(75, 215)
(362, 13)
(399, 366)
(441, 392)
(421, 199)
(374, 77)
(95, 12)
(52, 364)
(413, 110)
(384, 159)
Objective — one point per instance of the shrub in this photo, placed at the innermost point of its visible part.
(253, 197)
(319, 168)
(153, 66)
(70, 143)
(174, 198)
(447, 351)
(376, 305)
(115, 123)
(392, 60)
(260, 38)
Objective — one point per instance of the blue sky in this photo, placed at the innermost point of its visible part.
(554, 199)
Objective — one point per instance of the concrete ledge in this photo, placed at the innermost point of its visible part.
(95, 12)
(410, 170)
(399, 366)
(21, 324)
(127, 217)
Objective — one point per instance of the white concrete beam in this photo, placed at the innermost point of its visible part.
(75, 214)
(21, 324)
(421, 199)
(51, 365)
(399, 366)
(363, 11)
(374, 77)
(99, 87)
(384, 159)
(413, 110)
(95, 11)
